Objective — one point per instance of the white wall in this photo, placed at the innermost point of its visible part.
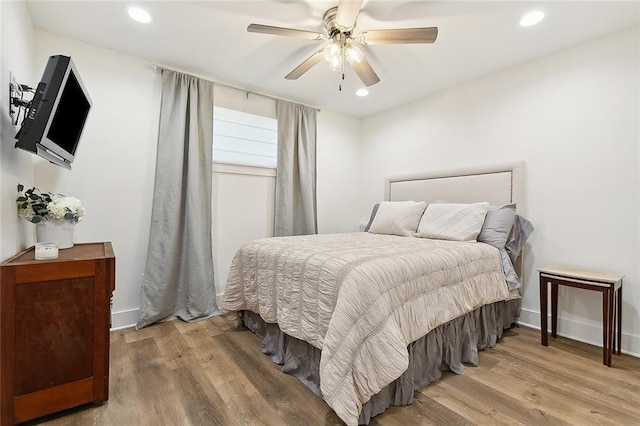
(338, 159)
(573, 118)
(243, 197)
(16, 166)
(114, 167)
(115, 164)
(243, 210)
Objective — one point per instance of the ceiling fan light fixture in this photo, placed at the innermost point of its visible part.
(332, 51)
(362, 92)
(336, 64)
(532, 18)
(353, 54)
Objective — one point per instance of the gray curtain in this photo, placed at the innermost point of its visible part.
(178, 279)
(296, 211)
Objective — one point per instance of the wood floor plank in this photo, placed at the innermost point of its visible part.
(201, 402)
(154, 386)
(246, 404)
(174, 350)
(557, 392)
(471, 407)
(598, 380)
(210, 373)
(123, 404)
(222, 372)
(526, 397)
(424, 411)
(510, 402)
(286, 393)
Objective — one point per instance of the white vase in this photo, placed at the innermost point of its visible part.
(55, 231)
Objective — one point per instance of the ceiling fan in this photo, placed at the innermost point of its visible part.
(343, 44)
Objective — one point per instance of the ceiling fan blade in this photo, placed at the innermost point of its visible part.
(288, 32)
(305, 66)
(347, 13)
(399, 36)
(365, 72)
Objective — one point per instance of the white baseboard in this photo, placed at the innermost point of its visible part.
(129, 318)
(580, 331)
(124, 319)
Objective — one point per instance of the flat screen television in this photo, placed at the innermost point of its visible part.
(57, 114)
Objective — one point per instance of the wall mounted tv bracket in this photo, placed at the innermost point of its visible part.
(17, 102)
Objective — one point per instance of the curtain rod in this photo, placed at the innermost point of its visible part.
(231, 86)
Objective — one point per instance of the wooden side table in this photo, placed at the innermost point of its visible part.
(609, 284)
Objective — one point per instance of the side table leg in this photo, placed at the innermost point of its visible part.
(554, 309)
(610, 326)
(543, 311)
(619, 321)
(614, 324)
(605, 325)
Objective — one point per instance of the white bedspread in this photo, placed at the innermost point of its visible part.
(361, 298)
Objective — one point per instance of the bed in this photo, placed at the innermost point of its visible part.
(364, 319)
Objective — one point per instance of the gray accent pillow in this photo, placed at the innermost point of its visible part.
(497, 225)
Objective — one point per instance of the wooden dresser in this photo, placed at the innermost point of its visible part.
(55, 317)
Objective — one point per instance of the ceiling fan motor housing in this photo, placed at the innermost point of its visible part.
(330, 25)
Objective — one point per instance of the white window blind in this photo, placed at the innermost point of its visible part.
(243, 138)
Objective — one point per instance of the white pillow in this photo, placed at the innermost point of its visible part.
(453, 221)
(397, 218)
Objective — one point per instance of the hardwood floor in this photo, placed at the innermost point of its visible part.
(207, 373)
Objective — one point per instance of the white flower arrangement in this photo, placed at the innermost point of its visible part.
(36, 206)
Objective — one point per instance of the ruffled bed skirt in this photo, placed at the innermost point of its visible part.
(447, 347)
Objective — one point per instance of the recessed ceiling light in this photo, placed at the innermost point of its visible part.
(531, 18)
(139, 14)
(362, 92)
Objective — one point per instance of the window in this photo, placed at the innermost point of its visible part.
(244, 139)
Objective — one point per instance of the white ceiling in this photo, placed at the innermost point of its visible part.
(209, 38)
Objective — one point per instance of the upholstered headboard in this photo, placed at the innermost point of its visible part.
(497, 184)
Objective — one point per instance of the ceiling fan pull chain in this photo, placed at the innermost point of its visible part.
(343, 51)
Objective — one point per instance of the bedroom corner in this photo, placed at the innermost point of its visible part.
(319, 321)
